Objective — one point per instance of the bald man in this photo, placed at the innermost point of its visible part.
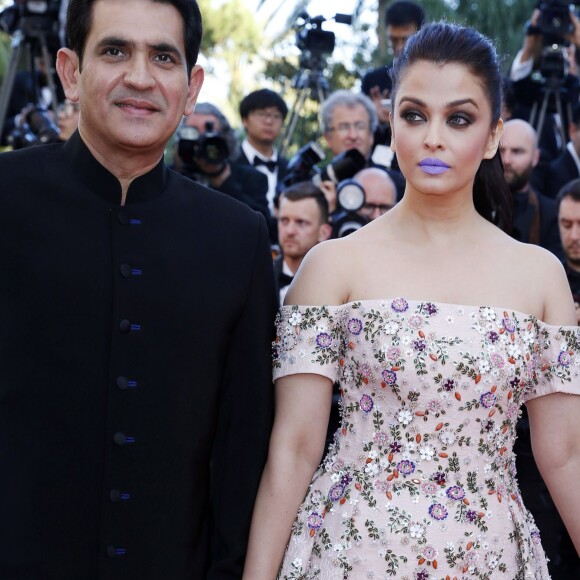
(380, 192)
(535, 218)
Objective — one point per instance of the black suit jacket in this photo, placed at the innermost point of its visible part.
(562, 170)
(135, 373)
(282, 164)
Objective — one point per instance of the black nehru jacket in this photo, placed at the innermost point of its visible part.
(135, 378)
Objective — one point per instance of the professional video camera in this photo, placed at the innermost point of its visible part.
(554, 25)
(209, 146)
(314, 42)
(31, 16)
(35, 127)
(350, 197)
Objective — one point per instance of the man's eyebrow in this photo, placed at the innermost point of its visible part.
(117, 42)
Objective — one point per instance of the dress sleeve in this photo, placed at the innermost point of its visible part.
(558, 362)
(309, 339)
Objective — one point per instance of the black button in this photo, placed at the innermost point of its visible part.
(114, 551)
(122, 383)
(123, 217)
(122, 439)
(126, 270)
(125, 326)
(118, 496)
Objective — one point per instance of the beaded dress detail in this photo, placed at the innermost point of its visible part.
(420, 480)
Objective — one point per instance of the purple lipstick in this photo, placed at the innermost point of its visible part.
(433, 166)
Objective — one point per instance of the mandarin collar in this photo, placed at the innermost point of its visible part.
(103, 183)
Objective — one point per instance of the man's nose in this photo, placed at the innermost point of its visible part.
(139, 72)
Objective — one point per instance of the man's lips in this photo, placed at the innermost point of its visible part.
(433, 166)
(137, 105)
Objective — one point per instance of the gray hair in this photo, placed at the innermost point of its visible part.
(347, 99)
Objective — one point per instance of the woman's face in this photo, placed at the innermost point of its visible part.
(442, 128)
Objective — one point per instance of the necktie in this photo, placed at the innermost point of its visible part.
(270, 164)
(284, 280)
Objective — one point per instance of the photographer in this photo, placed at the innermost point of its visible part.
(206, 149)
(546, 66)
(349, 121)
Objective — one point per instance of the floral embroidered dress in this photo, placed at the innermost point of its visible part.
(420, 481)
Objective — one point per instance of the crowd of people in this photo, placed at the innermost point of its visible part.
(417, 273)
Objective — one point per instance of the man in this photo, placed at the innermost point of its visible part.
(135, 380)
(348, 122)
(380, 192)
(216, 165)
(566, 167)
(402, 19)
(568, 202)
(302, 223)
(263, 113)
(534, 217)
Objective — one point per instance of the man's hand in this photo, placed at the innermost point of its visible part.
(377, 97)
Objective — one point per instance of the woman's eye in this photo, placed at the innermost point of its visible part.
(411, 116)
(459, 120)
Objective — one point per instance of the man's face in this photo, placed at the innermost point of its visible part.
(519, 155)
(380, 195)
(133, 85)
(398, 35)
(569, 224)
(299, 227)
(263, 126)
(350, 129)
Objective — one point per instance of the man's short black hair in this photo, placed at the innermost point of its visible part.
(262, 99)
(80, 15)
(570, 189)
(403, 13)
(307, 190)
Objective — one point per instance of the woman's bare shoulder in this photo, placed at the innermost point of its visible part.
(323, 275)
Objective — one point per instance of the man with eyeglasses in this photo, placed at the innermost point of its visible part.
(380, 192)
(349, 121)
(263, 113)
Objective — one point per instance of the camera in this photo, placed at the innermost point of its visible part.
(209, 146)
(32, 16)
(301, 166)
(555, 22)
(343, 166)
(314, 42)
(35, 127)
(350, 197)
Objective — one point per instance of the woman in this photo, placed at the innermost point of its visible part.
(439, 326)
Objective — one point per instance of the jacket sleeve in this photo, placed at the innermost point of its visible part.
(245, 418)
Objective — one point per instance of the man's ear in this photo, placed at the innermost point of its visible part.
(195, 83)
(493, 142)
(68, 69)
(324, 232)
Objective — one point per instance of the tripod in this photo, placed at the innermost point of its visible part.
(31, 35)
(553, 91)
(306, 80)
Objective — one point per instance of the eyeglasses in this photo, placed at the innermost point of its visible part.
(68, 108)
(263, 116)
(343, 128)
(370, 208)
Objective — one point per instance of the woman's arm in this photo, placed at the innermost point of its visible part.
(296, 446)
(555, 433)
(555, 418)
